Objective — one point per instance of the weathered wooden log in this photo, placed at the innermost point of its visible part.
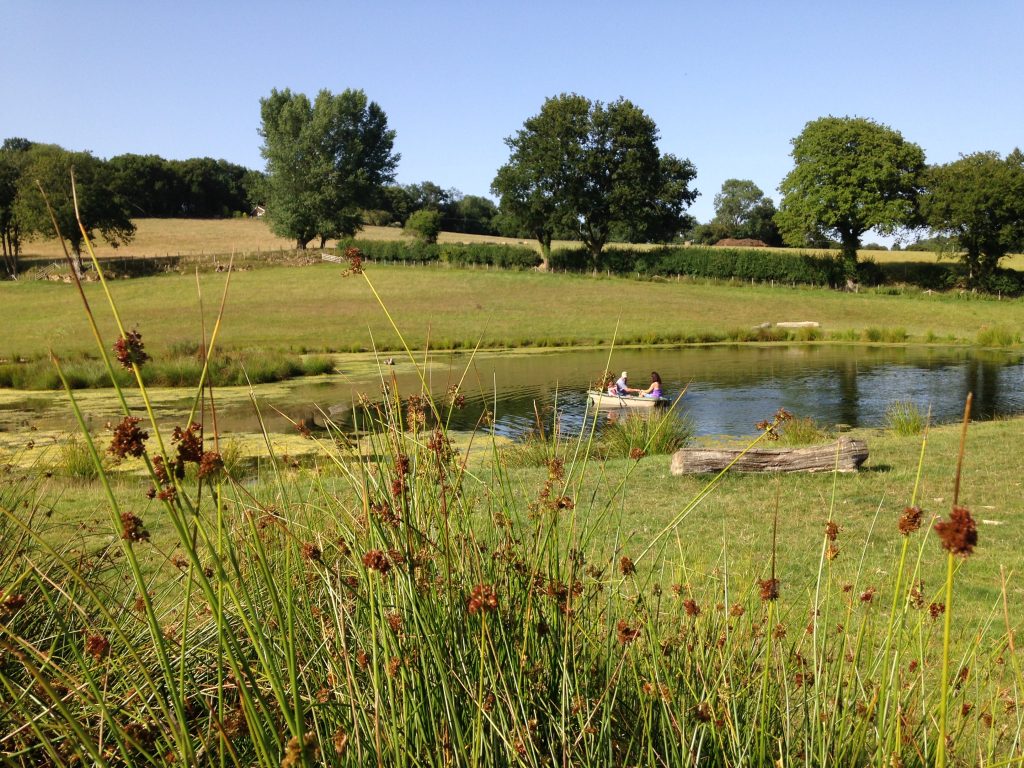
(845, 455)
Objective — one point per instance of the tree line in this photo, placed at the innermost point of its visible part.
(579, 169)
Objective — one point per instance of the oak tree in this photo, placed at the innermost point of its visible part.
(593, 171)
(850, 175)
(978, 201)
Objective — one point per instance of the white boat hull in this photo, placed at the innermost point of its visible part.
(604, 401)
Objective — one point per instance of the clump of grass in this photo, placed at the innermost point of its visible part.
(802, 431)
(76, 460)
(997, 336)
(904, 417)
(886, 335)
(659, 432)
(849, 334)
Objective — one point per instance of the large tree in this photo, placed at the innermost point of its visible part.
(326, 160)
(743, 211)
(850, 175)
(593, 170)
(102, 210)
(979, 201)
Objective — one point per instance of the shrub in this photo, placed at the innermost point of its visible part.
(424, 225)
(707, 262)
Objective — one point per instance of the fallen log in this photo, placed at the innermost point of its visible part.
(844, 455)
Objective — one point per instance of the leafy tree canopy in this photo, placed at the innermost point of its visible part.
(743, 211)
(850, 175)
(102, 209)
(978, 201)
(326, 160)
(595, 170)
(424, 224)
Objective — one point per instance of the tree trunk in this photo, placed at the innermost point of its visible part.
(595, 247)
(844, 455)
(850, 244)
(545, 253)
(76, 263)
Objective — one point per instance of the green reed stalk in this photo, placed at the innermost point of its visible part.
(940, 753)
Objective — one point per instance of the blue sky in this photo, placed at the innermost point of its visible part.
(729, 84)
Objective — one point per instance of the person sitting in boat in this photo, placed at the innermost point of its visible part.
(653, 391)
(622, 386)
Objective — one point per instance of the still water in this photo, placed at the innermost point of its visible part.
(728, 388)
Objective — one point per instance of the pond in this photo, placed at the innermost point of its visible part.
(729, 388)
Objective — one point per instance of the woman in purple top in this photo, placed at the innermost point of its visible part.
(655, 389)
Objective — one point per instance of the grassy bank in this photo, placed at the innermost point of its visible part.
(392, 603)
(311, 309)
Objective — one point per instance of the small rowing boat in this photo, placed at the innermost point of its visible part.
(605, 401)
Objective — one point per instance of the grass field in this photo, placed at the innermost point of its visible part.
(171, 237)
(315, 309)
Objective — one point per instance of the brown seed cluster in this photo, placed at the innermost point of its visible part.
(769, 589)
(959, 534)
(910, 520)
(455, 398)
(97, 646)
(129, 349)
(129, 439)
(190, 443)
(626, 566)
(483, 599)
(312, 552)
(302, 751)
(625, 633)
(211, 464)
(11, 603)
(132, 528)
(771, 426)
(376, 560)
(355, 261)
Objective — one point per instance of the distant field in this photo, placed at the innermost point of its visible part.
(169, 237)
(163, 237)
